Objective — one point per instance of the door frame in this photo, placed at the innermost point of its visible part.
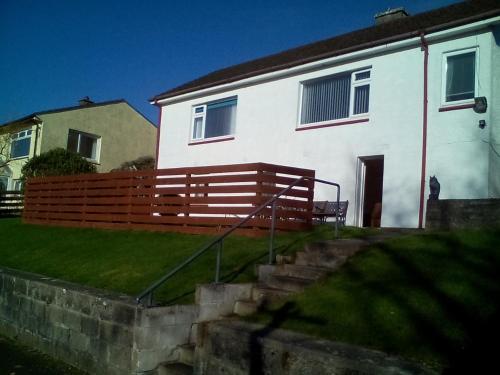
(360, 187)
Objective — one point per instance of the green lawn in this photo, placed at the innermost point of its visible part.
(129, 261)
(432, 298)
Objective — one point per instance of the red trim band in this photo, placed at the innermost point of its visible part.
(332, 124)
(456, 107)
(210, 141)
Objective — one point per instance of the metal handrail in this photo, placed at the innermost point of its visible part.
(148, 292)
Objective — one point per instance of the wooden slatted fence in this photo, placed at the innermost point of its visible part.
(11, 203)
(190, 200)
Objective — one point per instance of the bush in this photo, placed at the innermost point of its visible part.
(57, 162)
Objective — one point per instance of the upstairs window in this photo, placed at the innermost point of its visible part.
(460, 72)
(84, 144)
(335, 97)
(215, 119)
(20, 144)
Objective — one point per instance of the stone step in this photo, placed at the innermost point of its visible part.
(301, 271)
(288, 283)
(284, 259)
(245, 307)
(263, 294)
(185, 354)
(344, 247)
(319, 260)
(175, 369)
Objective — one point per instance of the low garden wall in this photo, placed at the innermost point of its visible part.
(462, 213)
(96, 331)
(239, 348)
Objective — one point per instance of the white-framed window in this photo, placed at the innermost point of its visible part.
(20, 144)
(459, 76)
(84, 144)
(335, 97)
(17, 185)
(214, 119)
(4, 183)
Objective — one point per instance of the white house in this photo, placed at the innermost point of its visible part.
(378, 110)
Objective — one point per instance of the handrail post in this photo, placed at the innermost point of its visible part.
(218, 260)
(271, 236)
(337, 213)
(149, 299)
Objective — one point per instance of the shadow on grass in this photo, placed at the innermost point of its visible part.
(444, 288)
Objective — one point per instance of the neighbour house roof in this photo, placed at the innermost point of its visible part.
(390, 31)
(35, 116)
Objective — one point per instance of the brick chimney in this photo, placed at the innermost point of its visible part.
(85, 102)
(390, 15)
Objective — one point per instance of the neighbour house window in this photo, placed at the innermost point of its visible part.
(335, 97)
(459, 68)
(20, 144)
(214, 119)
(17, 185)
(87, 145)
(4, 183)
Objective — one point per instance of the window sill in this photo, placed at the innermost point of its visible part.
(20, 157)
(336, 123)
(455, 107)
(211, 140)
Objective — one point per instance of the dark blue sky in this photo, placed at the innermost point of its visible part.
(53, 52)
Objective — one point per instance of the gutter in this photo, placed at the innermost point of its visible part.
(474, 22)
(158, 135)
(425, 49)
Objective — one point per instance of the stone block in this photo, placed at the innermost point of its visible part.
(72, 320)
(78, 341)
(89, 326)
(115, 333)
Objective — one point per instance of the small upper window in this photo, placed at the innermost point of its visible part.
(460, 73)
(87, 145)
(214, 119)
(20, 144)
(335, 97)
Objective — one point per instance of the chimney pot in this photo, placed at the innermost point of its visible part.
(85, 102)
(390, 15)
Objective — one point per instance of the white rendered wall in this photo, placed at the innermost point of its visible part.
(267, 116)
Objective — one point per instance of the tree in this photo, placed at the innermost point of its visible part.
(139, 164)
(56, 162)
(5, 158)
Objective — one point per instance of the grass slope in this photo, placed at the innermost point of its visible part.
(129, 261)
(433, 298)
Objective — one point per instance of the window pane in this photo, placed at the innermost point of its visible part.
(361, 99)
(220, 118)
(362, 75)
(326, 99)
(87, 146)
(197, 127)
(4, 182)
(460, 76)
(73, 141)
(20, 147)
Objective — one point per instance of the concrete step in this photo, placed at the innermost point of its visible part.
(301, 271)
(288, 283)
(263, 294)
(175, 369)
(285, 259)
(185, 354)
(245, 307)
(344, 247)
(319, 260)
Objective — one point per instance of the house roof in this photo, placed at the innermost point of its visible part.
(391, 31)
(65, 109)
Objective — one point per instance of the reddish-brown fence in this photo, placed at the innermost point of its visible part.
(190, 200)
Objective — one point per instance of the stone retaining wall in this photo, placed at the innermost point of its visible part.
(96, 331)
(238, 348)
(462, 213)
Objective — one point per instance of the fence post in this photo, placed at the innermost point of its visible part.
(218, 261)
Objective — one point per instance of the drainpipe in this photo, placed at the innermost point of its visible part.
(158, 134)
(425, 49)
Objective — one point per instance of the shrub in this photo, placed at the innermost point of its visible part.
(57, 162)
